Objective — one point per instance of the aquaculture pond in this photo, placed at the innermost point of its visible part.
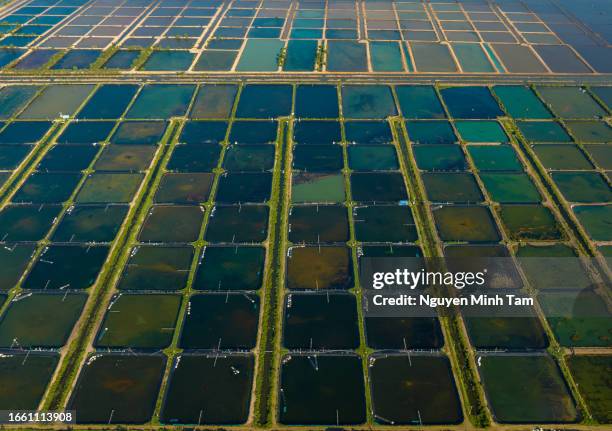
(530, 222)
(592, 375)
(510, 328)
(321, 389)
(211, 189)
(562, 157)
(384, 223)
(320, 321)
(131, 158)
(209, 390)
(230, 268)
(372, 158)
(185, 188)
(378, 187)
(13, 260)
(526, 388)
(367, 101)
(66, 267)
(249, 187)
(237, 224)
(430, 132)
(451, 187)
(91, 223)
(318, 224)
(157, 268)
(465, 223)
(27, 222)
(139, 321)
(184, 221)
(40, 320)
(109, 188)
(221, 321)
(25, 377)
(595, 220)
(552, 267)
(318, 158)
(413, 389)
(317, 188)
(319, 268)
(117, 388)
(578, 318)
(67, 158)
(401, 333)
(439, 157)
